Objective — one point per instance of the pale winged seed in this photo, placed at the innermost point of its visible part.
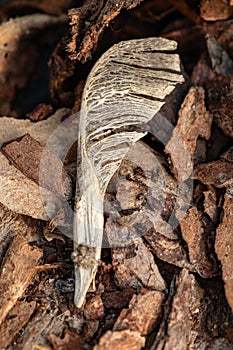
(125, 89)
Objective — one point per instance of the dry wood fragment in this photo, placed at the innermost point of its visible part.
(143, 313)
(17, 272)
(122, 340)
(215, 10)
(11, 224)
(210, 203)
(89, 21)
(228, 155)
(11, 128)
(129, 270)
(117, 299)
(19, 193)
(195, 236)
(217, 173)
(168, 250)
(26, 152)
(12, 49)
(219, 93)
(184, 322)
(42, 111)
(23, 195)
(41, 325)
(194, 121)
(224, 246)
(70, 341)
(94, 308)
(17, 318)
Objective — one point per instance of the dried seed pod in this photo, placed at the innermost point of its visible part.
(124, 91)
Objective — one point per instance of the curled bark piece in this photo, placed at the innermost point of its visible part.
(94, 16)
(124, 90)
(12, 38)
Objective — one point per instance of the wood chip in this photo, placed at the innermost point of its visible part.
(23, 195)
(117, 299)
(130, 272)
(17, 272)
(94, 16)
(196, 238)
(224, 246)
(41, 112)
(70, 341)
(11, 128)
(17, 318)
(210, 203)
(19, 193)
(215, 10)
(123, 340)
(219, 93)
(143, 314)
(26, 153)
(11, 224)
(184, 323)
(194, 121)
(168, 250)
(217, 173)
(94, 308)
(228, 155)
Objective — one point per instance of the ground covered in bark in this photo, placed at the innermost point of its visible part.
(161, 290)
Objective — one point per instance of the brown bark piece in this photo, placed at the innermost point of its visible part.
(215, 10)
(219, 93)
(42, 111)
(194, 121)
(12, 49)
(17, 272)
(61, 69)
(94, 16)
(17, 318)
(228, 155)
(24, 196)
(71, 341)
(130, 272)
(117, 299)
(168, 250)
(194, 235)
(43, 324)
(210, 203)
(94, 308)
(12, 223)
(217, 173)
(123, 340)
(224, 246)
(184, 323)
(143, 314)
(11, 128)
(26, 153)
